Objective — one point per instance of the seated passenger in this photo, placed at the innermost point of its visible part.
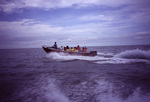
(55, 45)
(78, 48)
(85, 48)
(67, 48)
(72, 49)
(75, 49)
(62, 48)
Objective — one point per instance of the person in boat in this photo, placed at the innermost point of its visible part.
(72, 49)
(78, 48)
(85, 48)
(75, 49)
(55, 45)
(67, 48)
(62, 48)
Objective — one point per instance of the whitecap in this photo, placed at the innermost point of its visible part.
(134, 54)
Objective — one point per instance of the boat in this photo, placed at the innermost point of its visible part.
(58, 50)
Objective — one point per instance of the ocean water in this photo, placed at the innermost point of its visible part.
(116, 74)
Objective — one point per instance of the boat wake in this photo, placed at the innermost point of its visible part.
(134, 54)
(129, 56)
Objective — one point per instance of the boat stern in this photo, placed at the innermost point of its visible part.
(93, 53)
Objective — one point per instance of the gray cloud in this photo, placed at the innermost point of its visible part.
(14, 5)
(125, 22)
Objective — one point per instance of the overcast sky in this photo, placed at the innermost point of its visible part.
(33, 23)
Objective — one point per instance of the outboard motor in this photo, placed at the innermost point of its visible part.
(93, 53)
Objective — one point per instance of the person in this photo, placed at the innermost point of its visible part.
(55, 45)
(67, 48)
(78, 48)
(62, 48)
(75, 49)
(85, 48)
(72, 49)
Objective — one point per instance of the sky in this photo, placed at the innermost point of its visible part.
(33, 23)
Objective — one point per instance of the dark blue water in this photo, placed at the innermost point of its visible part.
(117, 74)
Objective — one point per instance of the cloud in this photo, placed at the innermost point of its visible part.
(145, 34)
(13, 5)
(28, 32)
(28, 27)
(96, 17)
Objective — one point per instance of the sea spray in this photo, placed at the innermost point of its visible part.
(44, 77)
(128, 56)
(109, 92)
(134, 54)
(66, 57)
(44, 88)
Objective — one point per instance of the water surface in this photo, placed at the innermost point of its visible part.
(117, 74)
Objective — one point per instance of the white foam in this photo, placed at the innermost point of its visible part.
(130, 56)
(44, 89)
(108, 92)
(134, 54)
(52, 92)
(105, 54)
(123, 61)
(62, 56)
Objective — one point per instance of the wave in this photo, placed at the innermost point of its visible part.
(109, 92)
(67, 57)
(130, 56)
(105, 54)
(134, 54)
